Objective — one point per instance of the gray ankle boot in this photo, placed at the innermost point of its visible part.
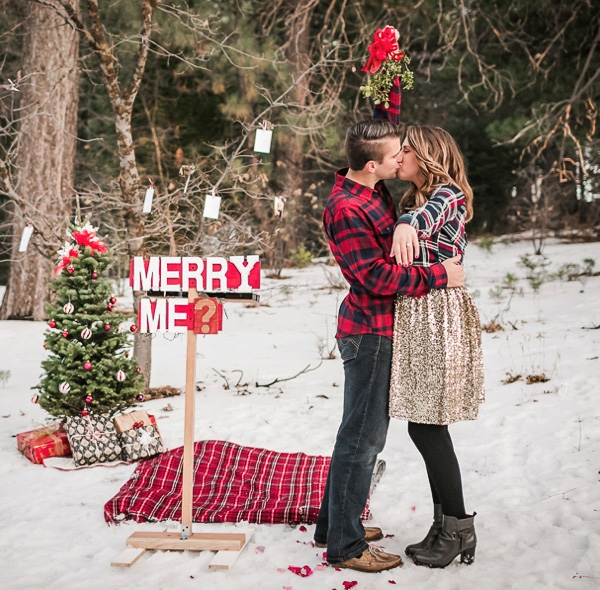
(431, 536)
(457, 536)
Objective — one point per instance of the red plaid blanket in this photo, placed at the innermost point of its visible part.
(231, 484)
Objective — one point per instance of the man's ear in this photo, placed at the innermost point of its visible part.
(371, 166)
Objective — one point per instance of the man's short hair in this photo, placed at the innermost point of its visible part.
(363, 141)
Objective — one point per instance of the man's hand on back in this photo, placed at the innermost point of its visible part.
(455, 272)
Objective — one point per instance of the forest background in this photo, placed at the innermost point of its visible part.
(97, 97)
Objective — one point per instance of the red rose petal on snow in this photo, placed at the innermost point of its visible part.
(303, 528)
(391, 581)
(348, 585)
(303, 571)
(389, 536)
(413, 508)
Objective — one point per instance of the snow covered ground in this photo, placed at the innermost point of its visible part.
(530, 463)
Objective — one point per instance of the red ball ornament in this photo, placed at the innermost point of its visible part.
(133, 328)
(107, 327)
(87, 365)
(94, 275)
(43, 346)
(70, 270)
(113, 300)
(65, 333)
(110, 307)
(140, 398)
(89, 399)
(52, 324)
(138, 370)
(84, 412)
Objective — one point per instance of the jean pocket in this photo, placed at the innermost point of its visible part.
(349, 346)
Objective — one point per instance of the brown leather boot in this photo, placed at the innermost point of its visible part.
(372, 533)
(372, 560)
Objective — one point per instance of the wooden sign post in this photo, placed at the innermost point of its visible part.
(201, 316)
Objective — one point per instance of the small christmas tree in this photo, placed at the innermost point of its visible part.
(88, 369)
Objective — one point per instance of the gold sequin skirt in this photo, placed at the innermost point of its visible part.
(437, 365)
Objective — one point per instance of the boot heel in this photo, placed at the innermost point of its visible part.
(468, 556)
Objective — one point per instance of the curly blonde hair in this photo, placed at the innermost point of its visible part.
(440, 162)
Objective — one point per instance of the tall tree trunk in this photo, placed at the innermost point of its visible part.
(44, 162)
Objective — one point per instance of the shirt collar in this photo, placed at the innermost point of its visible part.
(354, 188)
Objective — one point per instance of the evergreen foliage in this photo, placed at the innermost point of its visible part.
(87, 347)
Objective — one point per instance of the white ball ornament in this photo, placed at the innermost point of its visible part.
(86, 333)
(64, 387)
(120, 376)
(68, 307)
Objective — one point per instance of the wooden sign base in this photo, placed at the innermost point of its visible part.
(228, 545)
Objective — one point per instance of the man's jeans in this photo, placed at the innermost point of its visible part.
(361, 436)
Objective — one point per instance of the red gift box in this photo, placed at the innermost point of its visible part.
(43, 443)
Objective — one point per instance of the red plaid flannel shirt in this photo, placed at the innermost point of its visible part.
(359, 223)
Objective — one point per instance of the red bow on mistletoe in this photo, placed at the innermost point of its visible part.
(384, 45)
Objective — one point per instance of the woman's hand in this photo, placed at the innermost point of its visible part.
(405, 244)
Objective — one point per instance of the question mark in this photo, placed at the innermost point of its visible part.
(211, 310)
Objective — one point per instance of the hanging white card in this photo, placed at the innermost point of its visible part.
(278, 206)
(148, 200)
(25, 237)
(212, 205)
(262, 141)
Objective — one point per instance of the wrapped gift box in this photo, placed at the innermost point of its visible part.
(93, 439)
(127, 421)
(139, 435)
(43, 443)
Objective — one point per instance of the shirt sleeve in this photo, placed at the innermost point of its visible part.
(364, 258)
(392, 112)
(441, 208)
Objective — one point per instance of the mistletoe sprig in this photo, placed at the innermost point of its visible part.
(386, 62)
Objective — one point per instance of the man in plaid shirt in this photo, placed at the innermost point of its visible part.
(359, 220)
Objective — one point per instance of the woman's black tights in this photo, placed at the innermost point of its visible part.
(435, 445)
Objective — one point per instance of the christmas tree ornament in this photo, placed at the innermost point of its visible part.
(133, 327)
(44, 345)
(107, 327)
(109, 307)
(140, 398)
(138, 370)
(89, 399)
(68, 308)
(35, 399)
(94, 275)
(120, 376)
(70, 270)
(118, 329)
(113, 300)
(84, 412)
(52, 324)
(86, 333)
(64, 387)
(65, 333)
(87, 365)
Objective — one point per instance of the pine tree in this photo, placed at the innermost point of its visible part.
(88, 369)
